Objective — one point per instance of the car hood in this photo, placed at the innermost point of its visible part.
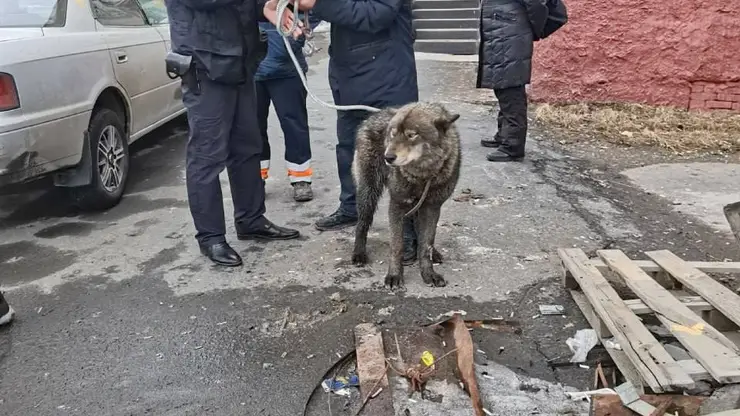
(7, 34)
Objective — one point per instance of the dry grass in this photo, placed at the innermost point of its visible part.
(642, 125)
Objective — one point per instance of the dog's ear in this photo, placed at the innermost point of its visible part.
(445, 122)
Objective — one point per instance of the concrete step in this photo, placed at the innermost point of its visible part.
(446, 23)
(446, 13)
(446, 4)
(447, 46)
(465, 34)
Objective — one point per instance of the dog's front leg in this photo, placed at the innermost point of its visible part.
(426, 223)
(394, 278)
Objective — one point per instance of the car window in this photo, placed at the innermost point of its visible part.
(118, 12)
(33, 13)
(155, 11)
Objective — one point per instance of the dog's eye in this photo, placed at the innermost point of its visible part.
(410, 134)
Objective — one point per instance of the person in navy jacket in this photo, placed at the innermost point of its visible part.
(371, 63)
(277, 81)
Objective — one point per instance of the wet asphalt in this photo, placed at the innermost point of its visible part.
(118, 314)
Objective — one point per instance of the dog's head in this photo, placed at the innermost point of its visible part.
(418, 131)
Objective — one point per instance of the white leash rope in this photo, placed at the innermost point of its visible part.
(282, 6)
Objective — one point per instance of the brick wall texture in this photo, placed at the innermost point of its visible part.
(682, 53)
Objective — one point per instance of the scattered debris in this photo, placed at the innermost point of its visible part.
(497, 325)
(450, 314)
(612, 344)
(586, 395)
(467, 195)
(631, 399)
(552, 310)
(581, 344)
(336, 297)
(386, 311)
(724, 398)
(339, 385)
(267, 366)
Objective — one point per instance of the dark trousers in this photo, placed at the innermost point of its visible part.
(289, 98)
(347, 124)
(223, 134)
(512, 120)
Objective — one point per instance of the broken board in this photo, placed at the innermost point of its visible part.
(372, 371)
(690, 319)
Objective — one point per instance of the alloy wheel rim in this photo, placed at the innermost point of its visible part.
(110, 159)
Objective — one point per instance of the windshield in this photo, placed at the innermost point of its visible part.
(32, 13)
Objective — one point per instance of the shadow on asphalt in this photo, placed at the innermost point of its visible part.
(152, 160)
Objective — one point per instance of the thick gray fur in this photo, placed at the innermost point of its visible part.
(402, 149)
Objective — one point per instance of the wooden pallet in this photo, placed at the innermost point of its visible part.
(705, 322)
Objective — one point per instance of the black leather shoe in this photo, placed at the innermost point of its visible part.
(268, 231)
(222, 254)
(490, 142)
(499, 156)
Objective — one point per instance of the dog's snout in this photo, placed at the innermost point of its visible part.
(390, 157)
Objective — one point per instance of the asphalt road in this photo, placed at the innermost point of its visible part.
(118, 314)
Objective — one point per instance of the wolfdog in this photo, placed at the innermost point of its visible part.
(414, 150)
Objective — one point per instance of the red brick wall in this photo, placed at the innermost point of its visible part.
(683, 53)
(715, 96)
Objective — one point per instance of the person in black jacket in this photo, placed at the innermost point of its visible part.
(508, 30)
(223, 40)
(371, 62)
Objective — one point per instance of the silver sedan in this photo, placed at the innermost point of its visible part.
(79, 81)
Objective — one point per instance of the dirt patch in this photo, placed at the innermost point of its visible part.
(637, 125)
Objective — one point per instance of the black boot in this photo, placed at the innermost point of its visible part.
(335, 221)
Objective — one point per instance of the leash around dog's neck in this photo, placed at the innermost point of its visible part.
(421, 200)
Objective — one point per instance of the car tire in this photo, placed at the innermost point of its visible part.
(109, 162)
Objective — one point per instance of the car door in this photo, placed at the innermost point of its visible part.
(156, 13)
(137, 51)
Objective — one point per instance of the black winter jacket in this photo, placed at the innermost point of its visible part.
(222, 36)
(371, 52)
(508, 29)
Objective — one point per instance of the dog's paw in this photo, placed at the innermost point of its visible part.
(359, 259)
(393, 281)
(436, 256)
(433, 279)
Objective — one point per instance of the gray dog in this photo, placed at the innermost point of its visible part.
(415, 151)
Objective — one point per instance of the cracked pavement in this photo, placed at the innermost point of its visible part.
(118, 314)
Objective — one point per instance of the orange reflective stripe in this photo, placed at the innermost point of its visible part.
(300, 174)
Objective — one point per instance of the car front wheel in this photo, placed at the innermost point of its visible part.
(109, 157)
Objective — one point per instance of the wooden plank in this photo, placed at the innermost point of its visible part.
(621, 360)
(649, 266)
(656, 367)
(714, 292)
(695, 303)
(371, 369)
(708, 346)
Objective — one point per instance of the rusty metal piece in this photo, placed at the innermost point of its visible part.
(599, 376)
(465, 365)
(611, 405)
(496, 325)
